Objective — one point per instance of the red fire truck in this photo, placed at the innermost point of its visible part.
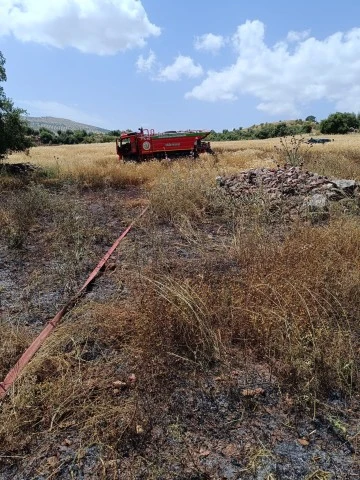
(147, 145)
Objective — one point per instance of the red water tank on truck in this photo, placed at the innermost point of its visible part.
(147, 145)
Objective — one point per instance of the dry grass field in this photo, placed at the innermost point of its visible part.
(97, 160)
(222, 342)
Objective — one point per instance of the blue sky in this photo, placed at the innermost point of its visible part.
(168, 65)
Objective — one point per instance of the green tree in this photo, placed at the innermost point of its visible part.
(306, 128)
(310, 118)
(46, 136)
(267, 130)
(281, 130)
(339, 123)
(79, 135)
(13, 128)
(114, 133)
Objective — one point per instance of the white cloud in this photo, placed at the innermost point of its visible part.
(294, 36)
(182, 67)
(146, 64)
(40, 108)
(283, 78)
(249, 38)
(103, 27)
(209, 42)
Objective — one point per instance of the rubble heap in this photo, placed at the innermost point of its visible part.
(293, 187)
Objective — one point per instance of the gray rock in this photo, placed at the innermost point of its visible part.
(348, 186)
(316, 203)
(220, 181)
(336, 194)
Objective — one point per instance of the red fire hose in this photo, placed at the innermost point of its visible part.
(25, 358)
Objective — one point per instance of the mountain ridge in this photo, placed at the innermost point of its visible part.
(54, 124)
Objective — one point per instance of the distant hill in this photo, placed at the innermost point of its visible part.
(54, 124)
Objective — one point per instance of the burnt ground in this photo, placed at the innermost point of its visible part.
(230, 420)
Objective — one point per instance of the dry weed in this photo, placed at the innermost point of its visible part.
(22, 210)
(300, 305)
(14, 340)
(184, 324)
(187, 190)
(70, 383)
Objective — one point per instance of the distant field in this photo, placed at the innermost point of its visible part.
(99, 162)
(339, 141)
(339, 158)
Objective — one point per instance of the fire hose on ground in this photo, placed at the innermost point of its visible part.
(26, 357)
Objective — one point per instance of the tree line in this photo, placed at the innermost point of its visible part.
(44, 136)
(335, 123)
(266, 130)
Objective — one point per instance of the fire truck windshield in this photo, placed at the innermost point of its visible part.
(125, 141)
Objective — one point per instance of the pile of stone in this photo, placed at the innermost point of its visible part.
(296, 189)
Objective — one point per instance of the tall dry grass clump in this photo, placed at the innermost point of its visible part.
(20, 212)
(14, 340)
(187, 190)
(109, 173)
(182, 190)
(176, 319)
(72, 383)
(335, 162)
(300, 304)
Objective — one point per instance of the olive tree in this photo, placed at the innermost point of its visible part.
(339, 123)
(13, 128)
